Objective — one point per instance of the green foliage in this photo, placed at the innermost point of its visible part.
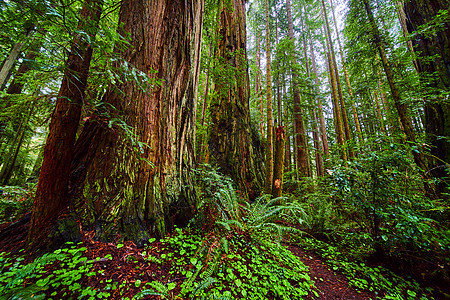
(320, 213)
(32, 280)
(15, 201)
(241, 246)
(381, 193)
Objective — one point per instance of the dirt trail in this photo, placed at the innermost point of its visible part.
(331, 284)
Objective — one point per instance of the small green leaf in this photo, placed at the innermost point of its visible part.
(171, 286)
(137, 283)
(238, 282)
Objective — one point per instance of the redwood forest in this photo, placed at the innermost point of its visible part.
(225, 149)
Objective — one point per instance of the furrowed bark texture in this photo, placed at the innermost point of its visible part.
(51, 195)
(235, 147)
(435, 76)
(137, 182)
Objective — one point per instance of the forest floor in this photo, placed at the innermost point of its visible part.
(118, 267)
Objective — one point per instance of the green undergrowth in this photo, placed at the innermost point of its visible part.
(59, 270)
(381, 281)
(15, 201)
(239, 268)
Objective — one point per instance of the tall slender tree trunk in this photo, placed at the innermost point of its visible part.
(201, 154)
(277, 187)
(340, 103)
(9, 163)
(301, 148)
(402, 20)
(379, 113)
(401, 107)
(318, 147)
(322, 127)
(16, 86)
(235, 147)
(338, 125)
(8, 64)
(51, 198)
(259, 92)
(287, 155)
(347, 78)
(279, 110)
(269, 137)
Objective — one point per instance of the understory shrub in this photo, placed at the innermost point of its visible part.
(380, 191)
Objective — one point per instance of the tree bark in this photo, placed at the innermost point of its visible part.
(259, 91)
(405, 120)
(201, 155)
(338, 126)
(379, 113)
(322, 127)
(9, 62)
(301, 148)
(51, 195)
(318, 147)
(402, 20)
(347, 78)
(16, 86)
(233, 144)
(132, 169)
(435, 77)
(340, 100)
(269, 136)
(278, 169)
(9, 163)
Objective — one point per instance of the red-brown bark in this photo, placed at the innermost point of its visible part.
(51, 196)
(138, 182)
(433, 66)
(233, 145)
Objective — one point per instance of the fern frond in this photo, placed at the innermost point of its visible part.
(148, 292)
(159, 287)
(204, 285)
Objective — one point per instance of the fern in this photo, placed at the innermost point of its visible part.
(159, 289)
(204, 285)
(149, 292)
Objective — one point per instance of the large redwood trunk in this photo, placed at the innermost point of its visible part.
(132, 171)
(435, 76)
(234, 146)
(51, 194)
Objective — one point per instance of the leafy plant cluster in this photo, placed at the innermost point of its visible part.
(239, 254)
(380, 192)
(239, 269)
(61, 270)
(14, 202)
